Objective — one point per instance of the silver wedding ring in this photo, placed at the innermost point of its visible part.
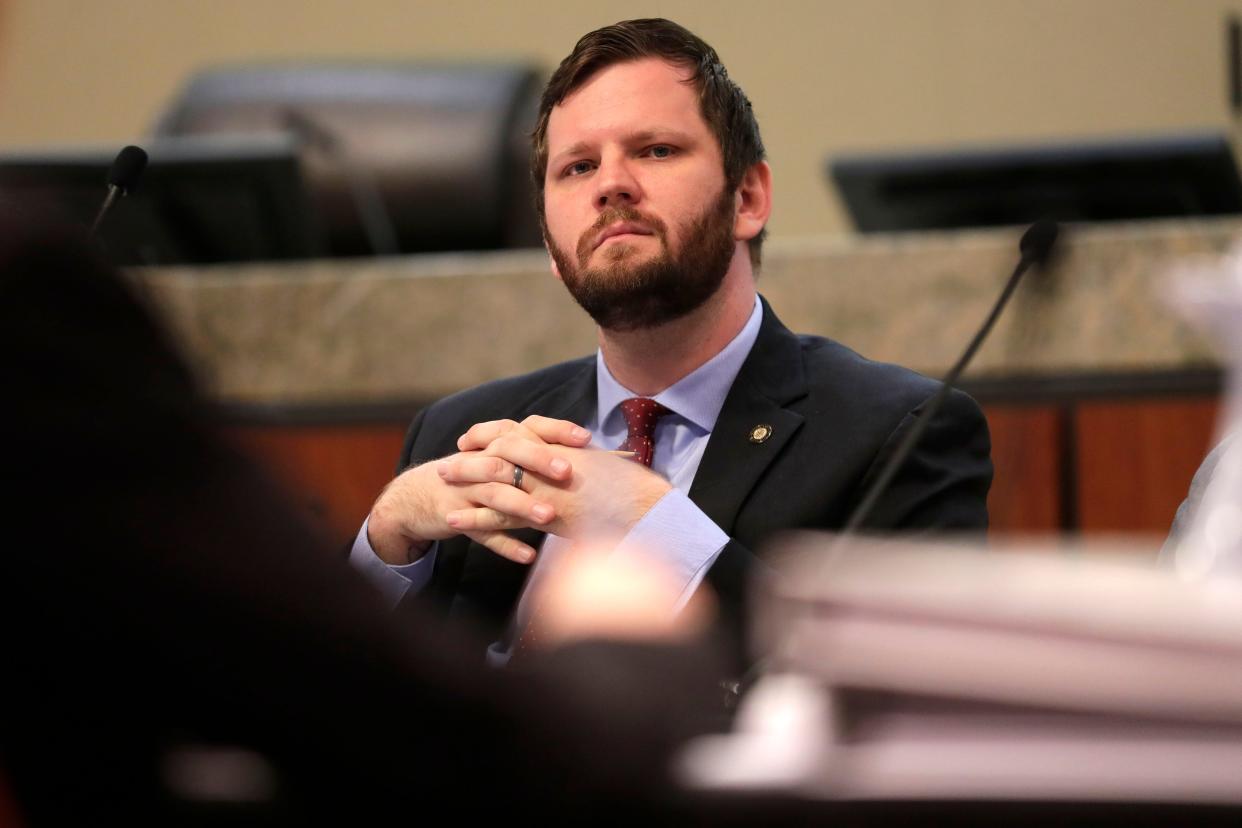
(518, 472)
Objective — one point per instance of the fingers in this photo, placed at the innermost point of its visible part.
(536, 457)
(514, 507)
(526, 444)
(479, 435)
(560, 432)
(503, 545)
(475, 468)
(496, 466)
(481, 520)
(488, 482)
(502, 507)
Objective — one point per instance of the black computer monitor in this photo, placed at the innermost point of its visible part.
(223, 198)
(1125, 179)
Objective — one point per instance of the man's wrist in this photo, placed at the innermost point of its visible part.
(398, 512)
(391, 545)
(648, 497)
(416, 550)
(679, 534)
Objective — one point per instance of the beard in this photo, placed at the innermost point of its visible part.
(623, 295)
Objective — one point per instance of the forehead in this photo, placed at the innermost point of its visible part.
(627, 97)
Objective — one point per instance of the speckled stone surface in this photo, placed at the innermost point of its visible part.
(384, 330)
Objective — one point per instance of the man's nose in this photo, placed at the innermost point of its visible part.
(616, 185)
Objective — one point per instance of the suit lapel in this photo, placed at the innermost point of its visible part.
(740, 448)
(574, 400)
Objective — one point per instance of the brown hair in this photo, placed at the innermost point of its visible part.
(723, 105)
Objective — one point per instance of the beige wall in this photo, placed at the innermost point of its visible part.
(824, 76)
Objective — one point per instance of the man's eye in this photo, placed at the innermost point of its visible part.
(660, 151)
(578, 168)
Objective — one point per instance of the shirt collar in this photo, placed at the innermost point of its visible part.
(699, 395)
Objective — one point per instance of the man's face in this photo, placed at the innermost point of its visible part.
(638, 222)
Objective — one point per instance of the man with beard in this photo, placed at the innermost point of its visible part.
(653, 195)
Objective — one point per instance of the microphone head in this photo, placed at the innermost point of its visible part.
(1038, 240)
(127, 168)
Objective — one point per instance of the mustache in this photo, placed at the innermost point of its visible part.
(612, 215)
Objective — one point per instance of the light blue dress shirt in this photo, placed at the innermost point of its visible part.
(674, 531)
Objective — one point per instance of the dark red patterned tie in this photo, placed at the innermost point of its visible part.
(641, 415)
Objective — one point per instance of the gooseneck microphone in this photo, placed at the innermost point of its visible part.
(123, 175)
(1035, 247)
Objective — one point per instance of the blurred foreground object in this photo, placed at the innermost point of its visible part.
(907, 672)
(1208, 530)
(191, 653)
(594, 594)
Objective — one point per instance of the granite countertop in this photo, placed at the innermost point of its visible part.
(375, 331)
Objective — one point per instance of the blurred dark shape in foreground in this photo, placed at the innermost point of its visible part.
(179, 648)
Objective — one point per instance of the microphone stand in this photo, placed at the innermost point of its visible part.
(1036, 245)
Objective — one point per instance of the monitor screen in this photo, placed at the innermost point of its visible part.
(222, 198)
(1126, 179)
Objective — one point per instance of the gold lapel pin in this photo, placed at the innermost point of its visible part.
(760, 433)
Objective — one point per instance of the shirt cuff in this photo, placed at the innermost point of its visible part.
(392, 581)
(677, 533)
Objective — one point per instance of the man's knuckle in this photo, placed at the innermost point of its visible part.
(487, 493)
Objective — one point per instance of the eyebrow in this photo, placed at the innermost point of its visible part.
(654, 134)
(572, 149)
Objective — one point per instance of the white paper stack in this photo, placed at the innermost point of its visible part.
(895, 671)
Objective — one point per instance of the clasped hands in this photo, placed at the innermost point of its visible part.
(567, 489)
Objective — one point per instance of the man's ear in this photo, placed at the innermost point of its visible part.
(754, 202)
(556, 271)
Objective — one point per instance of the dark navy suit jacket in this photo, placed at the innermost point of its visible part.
(834, 416)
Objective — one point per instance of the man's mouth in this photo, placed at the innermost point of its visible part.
(621, 228)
